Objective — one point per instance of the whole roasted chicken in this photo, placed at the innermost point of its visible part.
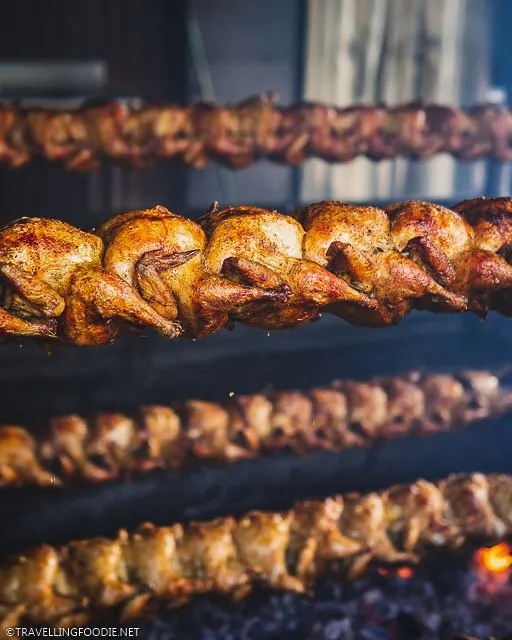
(165, 257)
(265, 249)
(75, 448)
(54, 283)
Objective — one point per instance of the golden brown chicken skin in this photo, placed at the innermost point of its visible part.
(265, 249)
(135, 572)
(242, 134)
(154, 268)
(165, 257)
(54, 285)
(356, 243)
(442, 242)
(343, 414)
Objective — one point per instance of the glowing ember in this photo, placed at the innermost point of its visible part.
(401, 572)
(404, 572)
(495, 559)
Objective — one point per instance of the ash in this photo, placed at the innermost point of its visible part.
(433, 603)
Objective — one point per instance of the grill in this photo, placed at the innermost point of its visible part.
(322, 481)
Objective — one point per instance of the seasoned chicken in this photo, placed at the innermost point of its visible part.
(135, 572)
(356, 243)
(344, 414)
(54, 284)
(164, 256)
(19, 459)
(264, 249)
(154, 268)
(443, 243)
(256, 128)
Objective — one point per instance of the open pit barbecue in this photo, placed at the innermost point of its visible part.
(240, 135)
(156, 269)
(347, 413)
(78, 582)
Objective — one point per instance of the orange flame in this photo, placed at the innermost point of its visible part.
(495, 559)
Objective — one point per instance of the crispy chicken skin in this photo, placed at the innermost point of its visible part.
(445, 244)
(19, 457)
(265, 249)
(356, 243)
(54, 284)
(491, 220)
(256, 128)
(165, 256)
(344, 414)
(135, 572)
(154, 268)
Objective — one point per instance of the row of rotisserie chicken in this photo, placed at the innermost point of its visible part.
(240, 135)
(134, 575)
(74, 449)
(136, 572)
(154, 268)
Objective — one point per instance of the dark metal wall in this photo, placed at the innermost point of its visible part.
(249, 48)
(146, 370)
(143, 44)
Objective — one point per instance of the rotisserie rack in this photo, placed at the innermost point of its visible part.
(187, 278)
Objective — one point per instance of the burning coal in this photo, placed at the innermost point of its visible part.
(491, 576)
(496, 560)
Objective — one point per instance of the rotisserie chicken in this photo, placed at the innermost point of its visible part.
(345, 414)
(257, 128)
(154, 268)
(133, 573)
